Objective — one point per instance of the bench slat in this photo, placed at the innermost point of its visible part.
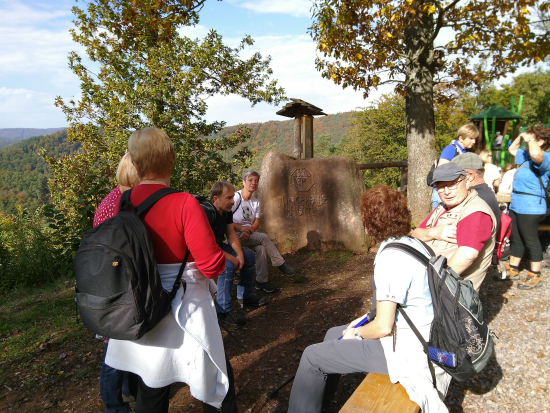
(377, 394)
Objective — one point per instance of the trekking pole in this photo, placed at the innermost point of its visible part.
(274, 393)
(229, 332)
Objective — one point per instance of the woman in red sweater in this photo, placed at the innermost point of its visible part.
(186, 346)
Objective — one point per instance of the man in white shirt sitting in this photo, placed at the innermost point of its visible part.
(246, 220)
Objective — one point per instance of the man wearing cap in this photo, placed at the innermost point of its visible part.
(462, 227)
(246, 218)
(473, 165)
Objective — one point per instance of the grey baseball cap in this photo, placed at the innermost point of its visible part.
(468, 160)
(447, 172)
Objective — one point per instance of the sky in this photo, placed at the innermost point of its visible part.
(35, 43)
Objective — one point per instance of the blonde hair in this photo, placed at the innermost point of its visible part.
(508, 167)
(152, 152)
(467, 131)
(485, 156)
(126, 174)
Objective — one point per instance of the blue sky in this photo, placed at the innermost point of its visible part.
(35, 42)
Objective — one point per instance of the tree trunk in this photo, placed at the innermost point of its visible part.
(420, 117)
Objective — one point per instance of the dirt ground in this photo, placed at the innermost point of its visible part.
(329, 289)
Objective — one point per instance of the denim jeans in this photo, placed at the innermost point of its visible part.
(225, 280)
(111, 383)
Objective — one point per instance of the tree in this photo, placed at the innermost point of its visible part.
(367, 43)
(379, 134)
(150, 75)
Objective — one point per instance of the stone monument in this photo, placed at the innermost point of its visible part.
(312, 204)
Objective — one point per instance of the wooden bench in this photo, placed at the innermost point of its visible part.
(377, 394)
(543, 227)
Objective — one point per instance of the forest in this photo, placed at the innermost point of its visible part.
(375, 133)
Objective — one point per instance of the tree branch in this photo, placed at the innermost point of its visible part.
(440, 21)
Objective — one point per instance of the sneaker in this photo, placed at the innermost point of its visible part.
(253, 301)
(287, 269)
(267, 287)
(232, 318)
(533, 281)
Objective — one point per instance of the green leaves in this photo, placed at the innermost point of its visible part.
(150, 75)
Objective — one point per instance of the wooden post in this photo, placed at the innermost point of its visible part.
(298, 136)
(480, 138)
(308, 136)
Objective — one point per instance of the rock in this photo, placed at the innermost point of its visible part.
(312, 204)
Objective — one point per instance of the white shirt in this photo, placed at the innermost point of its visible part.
(491, 174)
(402, 279)
(507, 179)
(245, 212)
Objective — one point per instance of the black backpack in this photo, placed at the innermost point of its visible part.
(458, 325)
(430, 176)
(119, 293)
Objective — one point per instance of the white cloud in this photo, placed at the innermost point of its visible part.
(294, 66)
(16, 14)
(296, 8)
(29, 109)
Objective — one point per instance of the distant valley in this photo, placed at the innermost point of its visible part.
(9, 136)
(23, 174)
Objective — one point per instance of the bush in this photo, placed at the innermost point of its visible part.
(27, 253)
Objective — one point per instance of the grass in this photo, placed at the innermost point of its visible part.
(33, 317)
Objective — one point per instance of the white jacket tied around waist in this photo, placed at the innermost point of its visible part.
(186, 346)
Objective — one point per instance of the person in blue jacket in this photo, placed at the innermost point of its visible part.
(465, 139)
(528, 204)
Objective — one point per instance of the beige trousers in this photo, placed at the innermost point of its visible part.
(263, 247)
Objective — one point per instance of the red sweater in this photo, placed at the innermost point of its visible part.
(176, 222)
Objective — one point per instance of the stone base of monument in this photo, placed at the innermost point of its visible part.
(312, 204)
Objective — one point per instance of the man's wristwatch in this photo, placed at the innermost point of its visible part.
(356, 334)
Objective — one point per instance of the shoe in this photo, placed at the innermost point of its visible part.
(253, 301)
(511, 274)
(532, 282)
(267, 287)
(287, 269)
(232, 318)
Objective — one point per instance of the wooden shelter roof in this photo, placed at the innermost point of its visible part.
(298, 107)
(496, 111)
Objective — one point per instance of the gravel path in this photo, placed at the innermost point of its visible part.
(517, 378)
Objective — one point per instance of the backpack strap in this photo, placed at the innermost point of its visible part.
(180, 274)
(421, 339)
(413, 252)
(143, 207)
(239, 204)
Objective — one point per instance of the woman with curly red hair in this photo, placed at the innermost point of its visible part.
(386, 344)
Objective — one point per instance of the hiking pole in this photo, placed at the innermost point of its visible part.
(229, 332)
(274, 393)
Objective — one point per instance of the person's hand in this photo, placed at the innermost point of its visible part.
(240, 262)
(348, 333)
(234, 260)
(245, 234)
(497, 182)
(444, 232)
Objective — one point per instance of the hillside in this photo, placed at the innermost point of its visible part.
(279, 134)
(9, 136)
(23, 174)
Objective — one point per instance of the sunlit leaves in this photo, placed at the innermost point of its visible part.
(150, 75)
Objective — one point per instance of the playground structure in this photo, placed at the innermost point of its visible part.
(498, 119)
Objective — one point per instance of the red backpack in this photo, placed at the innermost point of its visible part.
(501, 239)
